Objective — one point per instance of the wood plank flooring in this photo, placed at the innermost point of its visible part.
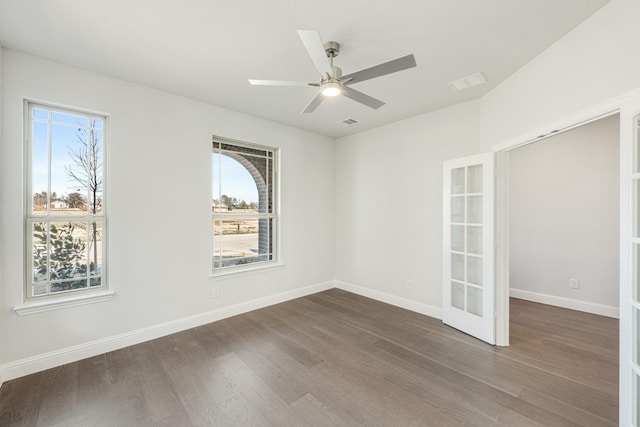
(338, 359)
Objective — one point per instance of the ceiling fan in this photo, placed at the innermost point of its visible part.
(332, 82)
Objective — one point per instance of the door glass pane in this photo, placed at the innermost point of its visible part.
(457, 209)
(457, 181)
(636, 339)
(636, 272)
(457, 267)
(636, 208)
(474, 179)
(474, 300)
(474, 239)
(636, 400)
(474, 270)
(636, 145)
(474, 209)
(457, 238)
(457, 295)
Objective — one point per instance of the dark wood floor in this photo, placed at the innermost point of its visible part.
(338, 359)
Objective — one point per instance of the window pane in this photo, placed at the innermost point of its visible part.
(69, 180)
(95, 251)
(69, 119)
(265, 186)
(68, 256)
(41, 114)
(40, 267)
(97, 123)
(40, 167)
(234, 183)
(94, 172)
(239, 243)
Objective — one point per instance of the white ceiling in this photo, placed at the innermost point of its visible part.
(207, 49)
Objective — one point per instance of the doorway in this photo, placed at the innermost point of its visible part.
(564, 219)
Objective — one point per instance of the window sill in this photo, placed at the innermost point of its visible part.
(244, 272)
(62, 302)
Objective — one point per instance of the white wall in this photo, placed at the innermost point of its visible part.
(389, 202)
(595, 62)
(388, 180)
(564, 214)
(159, 253)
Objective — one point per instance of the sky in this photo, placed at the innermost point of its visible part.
(237, 181)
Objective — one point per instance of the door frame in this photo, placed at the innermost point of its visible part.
(596, 112)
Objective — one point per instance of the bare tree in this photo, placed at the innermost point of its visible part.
(86, 170)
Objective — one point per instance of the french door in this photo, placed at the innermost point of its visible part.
(630, 262)
(468, 250)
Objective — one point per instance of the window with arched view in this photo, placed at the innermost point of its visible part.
(65, 217)
(244, 212)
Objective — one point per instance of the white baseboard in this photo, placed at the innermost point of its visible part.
(418, 307)
(30, 365)
(573, 304)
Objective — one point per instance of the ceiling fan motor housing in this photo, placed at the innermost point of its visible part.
(332, 49)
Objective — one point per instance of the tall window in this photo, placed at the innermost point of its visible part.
(65, 221)
(243, 204)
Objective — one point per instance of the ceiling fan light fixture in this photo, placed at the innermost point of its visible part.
(331, 89)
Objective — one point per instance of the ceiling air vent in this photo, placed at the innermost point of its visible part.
(467, 82)
(348, 122)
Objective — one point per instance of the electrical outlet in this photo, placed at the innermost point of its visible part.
(574, 283)
(216, 292)
(409, 284)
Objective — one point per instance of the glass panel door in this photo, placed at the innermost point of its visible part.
(630, 262)
(468, 246)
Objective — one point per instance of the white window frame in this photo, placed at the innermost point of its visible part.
(273, 215)
(65, 298)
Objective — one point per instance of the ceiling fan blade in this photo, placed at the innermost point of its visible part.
(313, 104)
(278, 83)
(380, 70)
(362, 98)
(315, 48)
